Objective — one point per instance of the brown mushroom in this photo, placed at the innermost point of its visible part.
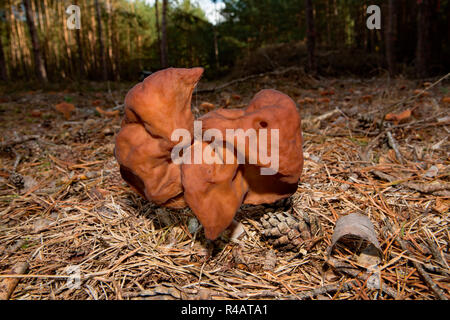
(153, 109)
(65, 108)
(214, 191)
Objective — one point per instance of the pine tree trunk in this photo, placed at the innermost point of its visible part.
(3, 75)
(391, 36)
(38, 61)
(311, 36)
(158, 32)
(104, 70)
(164, 57)
(423, 37)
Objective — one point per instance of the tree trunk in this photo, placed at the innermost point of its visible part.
(3, 75)
(38, 61)
(164, 57)
(423, 37)
(391, 36)
(101, 42)
(311, 36)
(158, 32)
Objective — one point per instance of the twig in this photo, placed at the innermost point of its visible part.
(436, 253)
(327, 289)
(394, 146)
(17, 141)
(353, 272)
(433, 286)
(428, 188)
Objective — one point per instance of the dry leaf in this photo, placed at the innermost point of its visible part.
(309, 100)
(369, 257)
(367, 98)
(441, 205)
(422, 94)
(399, 117)
(323, 100)
(41, 225)
(35, 113)
(327, 93)
(97, 102)
(446, 100)
(270, 261)
(107, 113)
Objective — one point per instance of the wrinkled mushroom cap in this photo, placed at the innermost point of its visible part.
(153, 109)
(215, 191)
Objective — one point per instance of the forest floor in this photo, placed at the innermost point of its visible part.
(64, 207)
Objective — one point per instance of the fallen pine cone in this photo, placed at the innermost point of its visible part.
(286, 231)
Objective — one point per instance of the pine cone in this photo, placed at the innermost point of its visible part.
(17, 180)
(81, 136)
(365, 121)
(286, 231)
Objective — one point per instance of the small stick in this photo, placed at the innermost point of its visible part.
(17, 141)
(433, 286)
(8, 285)
(351, 271)
(436, 253)
(327, 289)
(394, 146)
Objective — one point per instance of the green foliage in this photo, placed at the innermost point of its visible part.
(131, 44)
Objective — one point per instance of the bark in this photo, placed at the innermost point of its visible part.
(158, 31)
(101, 43)
(3, 75)
(391, 36)
(423, 37)
(38, 61)
(311, 36)
(164, 54)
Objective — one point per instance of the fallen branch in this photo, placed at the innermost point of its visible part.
(13, 142)
(8, 285)
(433, 286)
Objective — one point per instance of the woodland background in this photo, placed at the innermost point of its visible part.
(120, 38)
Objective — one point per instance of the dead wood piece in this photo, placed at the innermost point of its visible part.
(7, 285)
(16, 141)
(428, 280)
(394, 145)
